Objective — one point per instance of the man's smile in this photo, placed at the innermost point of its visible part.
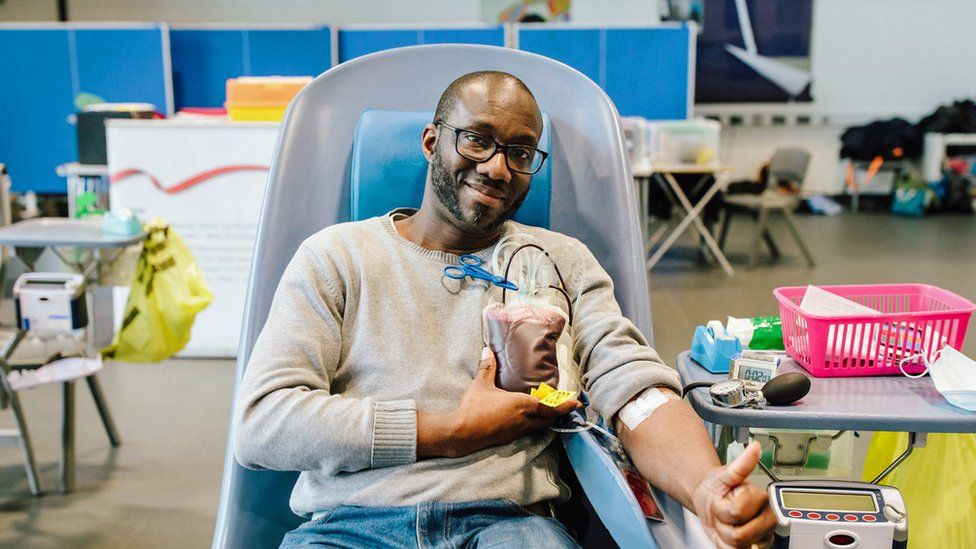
(486, 194)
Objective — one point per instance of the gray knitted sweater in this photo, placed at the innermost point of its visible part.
(364, 331)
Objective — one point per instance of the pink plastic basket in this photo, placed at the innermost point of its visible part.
(914, 319)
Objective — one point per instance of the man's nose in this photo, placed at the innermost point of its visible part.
(495, 168)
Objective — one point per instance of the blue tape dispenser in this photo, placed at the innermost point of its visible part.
(713, 349)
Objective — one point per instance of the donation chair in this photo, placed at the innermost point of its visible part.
(780, 194)
(349, 148)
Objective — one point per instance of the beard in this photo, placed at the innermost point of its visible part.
(447, 189)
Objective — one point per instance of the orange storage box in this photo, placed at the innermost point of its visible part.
(261, 97)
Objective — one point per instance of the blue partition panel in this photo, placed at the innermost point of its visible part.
(34, 135)
(287, 52)
(578, 48)
(646, 71)
(356, 42)
(203, 58)
(44, 67)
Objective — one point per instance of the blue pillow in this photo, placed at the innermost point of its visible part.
(389, 168)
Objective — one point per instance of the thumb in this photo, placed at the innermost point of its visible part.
(738, 471)
(487, 368)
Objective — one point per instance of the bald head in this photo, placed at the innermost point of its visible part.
(483, 82)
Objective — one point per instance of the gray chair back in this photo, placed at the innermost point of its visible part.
(593, 199)
(789, 165)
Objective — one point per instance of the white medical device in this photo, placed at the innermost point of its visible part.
(754, 368)
(838, 514)
(50, 303)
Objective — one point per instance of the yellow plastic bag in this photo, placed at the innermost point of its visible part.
(167, 292)
(937, 482)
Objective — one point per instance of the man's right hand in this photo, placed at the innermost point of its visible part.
(487, 416)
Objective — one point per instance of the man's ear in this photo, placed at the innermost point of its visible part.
(427, 141)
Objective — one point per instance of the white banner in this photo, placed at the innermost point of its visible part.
(207, 180)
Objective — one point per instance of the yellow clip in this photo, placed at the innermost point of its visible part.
(551, 397)
(542, 392)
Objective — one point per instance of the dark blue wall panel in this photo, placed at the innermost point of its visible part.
(289, 52)
(357, 42)
(645, 71)
(36, 96)
(122, 65)
(494, 36)
(578, 48)
(203, 59)
(43, 69)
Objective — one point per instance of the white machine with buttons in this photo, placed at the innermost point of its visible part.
(50, 303)
(837, 514)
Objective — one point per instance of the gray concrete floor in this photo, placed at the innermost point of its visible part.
(160, 489)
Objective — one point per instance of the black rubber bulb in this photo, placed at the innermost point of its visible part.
(786, 388)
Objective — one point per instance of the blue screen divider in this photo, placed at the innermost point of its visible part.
(646, 71)
(205, 57)
(356, 41)
(44, 66)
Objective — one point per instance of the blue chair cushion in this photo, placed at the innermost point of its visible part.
(389, 168)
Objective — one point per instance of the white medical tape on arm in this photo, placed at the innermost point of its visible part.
(641, 408)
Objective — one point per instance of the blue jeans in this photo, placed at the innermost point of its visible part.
(481, 524)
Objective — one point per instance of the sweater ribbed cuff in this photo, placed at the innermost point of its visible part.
(394, 433)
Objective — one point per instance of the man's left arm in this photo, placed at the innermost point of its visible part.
(670, 448)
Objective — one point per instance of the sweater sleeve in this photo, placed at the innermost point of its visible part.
(616, 361)
(286, 418)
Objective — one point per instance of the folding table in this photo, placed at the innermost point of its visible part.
(874, 403)
(664, 176)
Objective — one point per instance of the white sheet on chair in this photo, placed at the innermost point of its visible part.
(66, 369)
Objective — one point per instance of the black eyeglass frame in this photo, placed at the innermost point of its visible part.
(498, 147)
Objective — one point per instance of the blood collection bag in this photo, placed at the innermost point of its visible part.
(530, 331)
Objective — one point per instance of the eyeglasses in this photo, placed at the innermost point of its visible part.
(480, 148)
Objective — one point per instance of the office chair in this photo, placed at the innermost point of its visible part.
(328, 169)
(788, 167)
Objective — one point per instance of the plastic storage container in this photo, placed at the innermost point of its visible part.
(685, 142)
(262, 97)
(913, 319)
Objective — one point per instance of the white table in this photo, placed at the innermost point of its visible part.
(664, 175)
(55, 232)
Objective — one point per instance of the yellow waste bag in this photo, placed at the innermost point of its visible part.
(937, 482)
(168, 290)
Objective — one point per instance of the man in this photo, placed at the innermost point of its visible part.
(367, 377)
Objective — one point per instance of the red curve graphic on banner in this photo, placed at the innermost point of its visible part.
(195, 180)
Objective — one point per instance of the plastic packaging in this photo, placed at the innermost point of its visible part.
(759, 333)
(166, 295)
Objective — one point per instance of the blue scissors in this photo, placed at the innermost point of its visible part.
(471, 266)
